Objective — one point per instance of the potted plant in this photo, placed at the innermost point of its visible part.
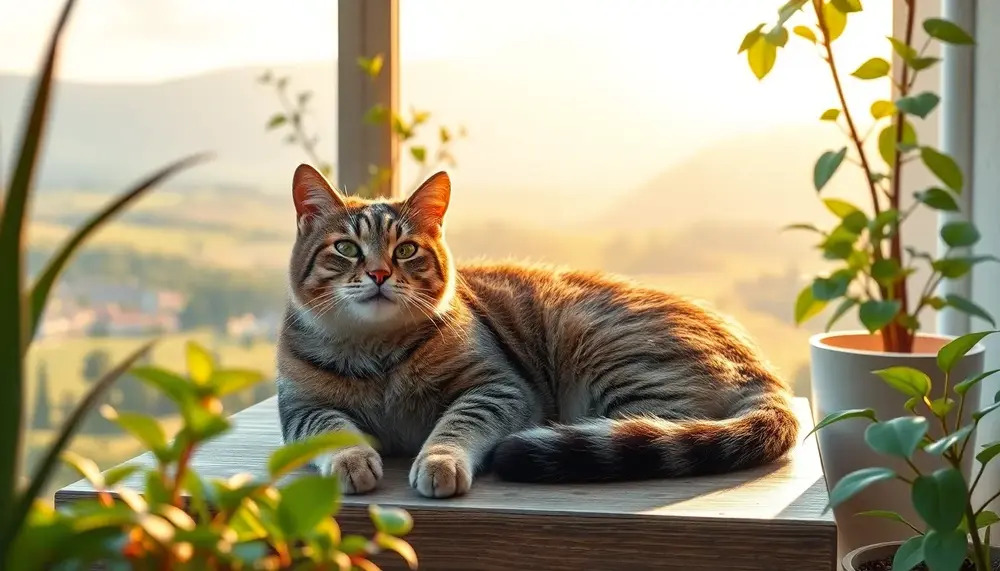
(872, 272)
(950, 538)
(179, 521)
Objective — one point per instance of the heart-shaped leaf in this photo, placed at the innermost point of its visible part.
(938, 199)
(944, 167)
(910, 554)
(957, 348)
(826, 166)
(874, 68)
(988, 453)
(920, 105)
(856, 481)
(968, 306)
(945, 550)
(959, 234)
(876, 314)
(939, 446)
(906, 380)
(947, 31)
(939, 498)
(843, 415)
(897, 437)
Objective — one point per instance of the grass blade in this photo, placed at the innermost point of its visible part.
(14, 336)
(66, 432)
(43, 285)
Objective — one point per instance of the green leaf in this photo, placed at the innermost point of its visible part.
(979, 414)
(761, 57)
(905, 51)
(296, 454)
(939, 498)
(897, 437)
(826, 166)
(807, 306)
(276, 121)
(199, 363)
(228, 381)
(177, 388)
(939, 446)
(922, 63)
(988, 453)
(920, 105)
(751, 38)
(53, 268)
(945, 550)
(906, 380)
(944, 167)
(946, 31)
(840, 208)
(307, 501)
(959, 234)
(952, 268)
(144, 428)
(847, 6)
(887, 140)
(392, 521)
(70, 425)
(941, 407)
(809, 227)
(777, 36)
(843, 415)
(846, 305)
(851, 484)
(984, 518)
(119, 473)
(835, 21)
(938, 199)
(957, 348)
(830, 115)
(419, 154)
(966, 306)
(881, 109)
(910, 553)
(376, 115)
(874, 68)
(876, 314)
(964, 386)
(886, 271)
(826, 289)
(804, 32)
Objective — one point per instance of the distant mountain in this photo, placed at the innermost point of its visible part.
(105, 135)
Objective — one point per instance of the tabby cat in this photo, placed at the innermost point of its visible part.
(550, 375)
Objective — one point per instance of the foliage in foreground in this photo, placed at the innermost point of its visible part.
(873, 274)
(943, 499)
(182, 521)
(239, 523)
(406, 128)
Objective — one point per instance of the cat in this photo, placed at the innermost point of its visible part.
(548, 374)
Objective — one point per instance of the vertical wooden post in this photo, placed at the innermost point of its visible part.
(367, 28)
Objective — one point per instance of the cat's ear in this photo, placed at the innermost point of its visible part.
(429, 203)
(313, 195)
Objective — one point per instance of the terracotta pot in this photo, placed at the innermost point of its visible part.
(855, 559)
(842, 379)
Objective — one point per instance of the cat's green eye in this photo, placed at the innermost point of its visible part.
(347, 248)
(405, 250)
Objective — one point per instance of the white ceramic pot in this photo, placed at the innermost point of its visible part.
(842, 379)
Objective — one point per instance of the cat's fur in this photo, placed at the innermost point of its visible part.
(557, 375)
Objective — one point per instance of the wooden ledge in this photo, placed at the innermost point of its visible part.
(769, 519)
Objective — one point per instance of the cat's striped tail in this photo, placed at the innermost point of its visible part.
(602, 450)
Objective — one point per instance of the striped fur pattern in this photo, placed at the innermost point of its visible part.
(547, 374)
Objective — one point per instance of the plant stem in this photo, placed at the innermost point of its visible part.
(855, 137)
(977, 544)
(987, 502)
(896, 337)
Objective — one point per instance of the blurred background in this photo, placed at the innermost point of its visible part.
(626, 136)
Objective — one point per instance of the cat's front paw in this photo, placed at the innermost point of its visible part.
(441, 472)
(359, 468)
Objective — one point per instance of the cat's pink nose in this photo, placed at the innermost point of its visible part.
(379, 276)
